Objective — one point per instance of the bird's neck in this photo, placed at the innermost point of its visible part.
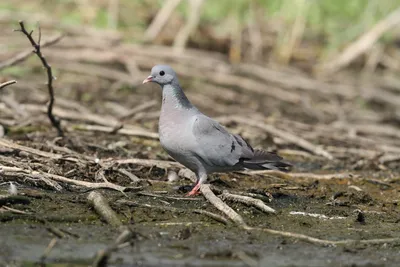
(174, 97)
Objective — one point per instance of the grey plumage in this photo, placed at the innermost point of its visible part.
(199, 142)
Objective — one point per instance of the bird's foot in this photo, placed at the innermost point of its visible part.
(195, 191)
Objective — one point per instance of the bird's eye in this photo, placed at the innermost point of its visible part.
(162, 73)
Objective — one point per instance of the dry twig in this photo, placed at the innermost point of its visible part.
(220, 205)
(284, 135)
(248, 201)
(48, 249)
(122, 131)
(52, 179)
(214, 216)
(135, 110)
(169, 197)
(102, 207)
(303, 175)
(2, 85)
(162, 164)
(37, 50)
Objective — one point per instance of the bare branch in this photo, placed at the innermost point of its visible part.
(248, 201)
(220, 205)
(40, 35)
(102, 207)
(37, 50)
(2, 85)
(284, 135)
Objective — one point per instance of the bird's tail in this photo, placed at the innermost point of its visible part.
(263, 160)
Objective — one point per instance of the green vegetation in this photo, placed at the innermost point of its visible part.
(332, 23)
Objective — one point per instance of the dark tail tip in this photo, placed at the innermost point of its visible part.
(263, 160)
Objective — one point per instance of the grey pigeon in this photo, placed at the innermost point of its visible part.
(198, 142)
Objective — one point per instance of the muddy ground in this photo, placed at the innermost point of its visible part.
(169, 238)
(343, 144)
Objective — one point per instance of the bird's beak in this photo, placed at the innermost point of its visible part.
(148, 79)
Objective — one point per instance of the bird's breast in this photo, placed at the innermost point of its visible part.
(173, 136)
(177, 139)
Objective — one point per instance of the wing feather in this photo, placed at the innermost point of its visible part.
(216, 146)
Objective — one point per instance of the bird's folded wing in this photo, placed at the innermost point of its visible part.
(214, 144)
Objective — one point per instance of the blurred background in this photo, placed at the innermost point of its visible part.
(326, 71)
(301, 32)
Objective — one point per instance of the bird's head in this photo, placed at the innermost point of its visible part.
(161, 74)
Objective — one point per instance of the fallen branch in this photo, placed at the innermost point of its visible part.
(105, 123)
(214, 216)
(220, 205)
(50, 179)
(47, 251)
(77, 116)
(95, 70)
(389, 158)
(106, 129)
(291, 138)
(304, 175)
(131, 176)
(37, 50)
(24, 55)
(102, 207)
(162, 164)
(11, 145)
(2, 85)
(26, 176)
(169, 197)
(316, 215)
(324, 242)
(135, 110)
(248, 201)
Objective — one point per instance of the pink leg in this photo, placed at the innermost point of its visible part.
(202, 177)
(195, 190)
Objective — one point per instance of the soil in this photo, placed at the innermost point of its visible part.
(183, 238)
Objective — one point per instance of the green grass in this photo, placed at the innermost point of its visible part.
(335, 22)
(340, 21)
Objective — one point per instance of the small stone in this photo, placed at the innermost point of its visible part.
(2, 131)
(13, 190)
(172, 176)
